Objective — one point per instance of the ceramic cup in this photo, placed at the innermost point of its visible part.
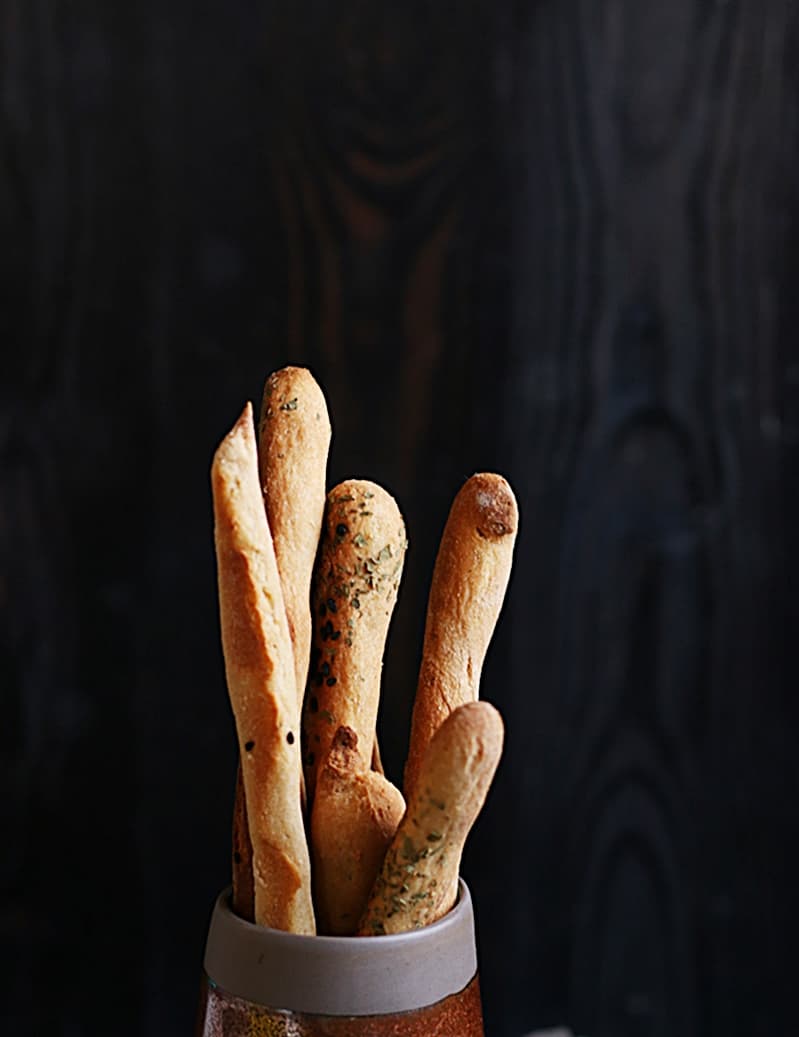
(264, 983)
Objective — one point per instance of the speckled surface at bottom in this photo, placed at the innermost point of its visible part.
(222, 1015)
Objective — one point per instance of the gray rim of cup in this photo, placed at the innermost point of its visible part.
(342, 975)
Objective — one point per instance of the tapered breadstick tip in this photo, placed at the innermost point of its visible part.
(227, 451)
(496, 513)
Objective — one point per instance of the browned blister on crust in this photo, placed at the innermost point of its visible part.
(355, 815)
(355, 585)
(418, 881)
(259, 667)
(470, 578)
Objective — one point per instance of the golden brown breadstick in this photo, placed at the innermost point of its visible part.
(419, 878)
(293, 443)
(468, 587)
(355, 583)
(260, 675)
(354, 818)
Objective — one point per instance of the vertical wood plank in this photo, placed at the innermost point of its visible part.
(648, 677)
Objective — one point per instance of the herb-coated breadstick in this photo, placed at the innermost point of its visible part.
(261, 683)
(355, 583)
(355, 815)
(418, 881)
(470, 578)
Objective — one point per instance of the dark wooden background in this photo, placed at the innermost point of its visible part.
(555, 239)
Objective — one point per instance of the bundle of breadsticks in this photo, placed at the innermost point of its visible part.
(322, 840)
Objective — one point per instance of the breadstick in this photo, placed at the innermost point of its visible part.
(470, 578)
(419, 878)
(354, 818)
(293, 443)
(355, 583)
(294, 439)
(260, 675)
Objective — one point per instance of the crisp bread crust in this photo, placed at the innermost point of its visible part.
(418, 881)
(259, 666)
(355, 583)
(355, 816)
(468, 587)
(293, 444)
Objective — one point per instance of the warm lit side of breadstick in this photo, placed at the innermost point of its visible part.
(418, 881)
(355, 584)
(470, 578)
(355, 816)
(261, 683)
(293, 444)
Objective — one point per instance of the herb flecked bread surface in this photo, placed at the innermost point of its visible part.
(418, 882)
(355, 585)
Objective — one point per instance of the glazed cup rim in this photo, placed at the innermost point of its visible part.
(342, 975)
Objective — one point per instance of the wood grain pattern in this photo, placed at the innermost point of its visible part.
(653, 456)
(556, 240)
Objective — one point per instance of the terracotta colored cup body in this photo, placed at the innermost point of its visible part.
(263, 983)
